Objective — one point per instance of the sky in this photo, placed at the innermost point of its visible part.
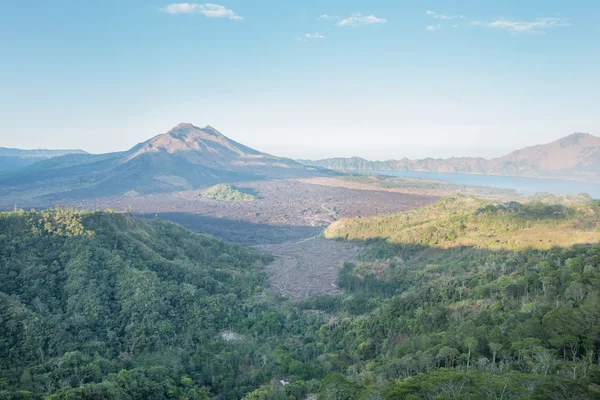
(303, 79)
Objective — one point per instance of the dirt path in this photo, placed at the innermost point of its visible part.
(307, 267)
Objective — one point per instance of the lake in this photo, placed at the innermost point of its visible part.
(526, 186)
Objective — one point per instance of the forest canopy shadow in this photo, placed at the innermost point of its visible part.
(424, 275)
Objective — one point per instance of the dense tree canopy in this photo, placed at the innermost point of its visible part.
(476, 287)
(106, 306)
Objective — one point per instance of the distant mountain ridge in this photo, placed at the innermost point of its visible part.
(45, 153)
(186, 157)
(16, 158)
(576, 156)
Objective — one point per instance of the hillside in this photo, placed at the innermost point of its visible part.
(443, 305)
(446, 286)
(17, 158)
(98, 305)
(186, 157)
(107, 306)
(468, 221)
(573, 157)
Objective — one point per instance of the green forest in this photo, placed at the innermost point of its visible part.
(463, 299)
(97, 305)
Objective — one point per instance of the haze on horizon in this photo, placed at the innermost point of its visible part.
(377, 80)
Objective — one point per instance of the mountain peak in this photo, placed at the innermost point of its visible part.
(197, 143)
(576, 139)
(578, 135)
(185, 125)
(192, 132)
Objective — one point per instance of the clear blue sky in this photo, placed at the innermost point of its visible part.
(378, 79)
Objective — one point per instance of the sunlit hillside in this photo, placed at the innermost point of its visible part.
(468, 221)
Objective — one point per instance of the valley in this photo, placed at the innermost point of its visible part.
(267, 202)
(286, 220)
(485, 295)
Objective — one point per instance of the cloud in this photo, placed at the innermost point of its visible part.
(324, 17)
(310, 36)
(515, 27)
(359, 20)
(314, 36)
(209, 10)
(433, 14)
(433, 27)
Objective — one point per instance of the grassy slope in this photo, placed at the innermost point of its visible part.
(224, 192)
(468, 221)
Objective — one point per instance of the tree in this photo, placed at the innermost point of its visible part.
(544, 359)
(470, 344)
(494, 348)
(448, 355)
(336, 387)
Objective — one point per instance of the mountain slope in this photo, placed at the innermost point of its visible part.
(187, 138)
(97, 305)
(577, 154)
(470, 285)
(86, 296)
(17, 158)
(186, 157)
(573, 157)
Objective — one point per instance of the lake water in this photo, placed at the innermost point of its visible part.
(526, 186)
